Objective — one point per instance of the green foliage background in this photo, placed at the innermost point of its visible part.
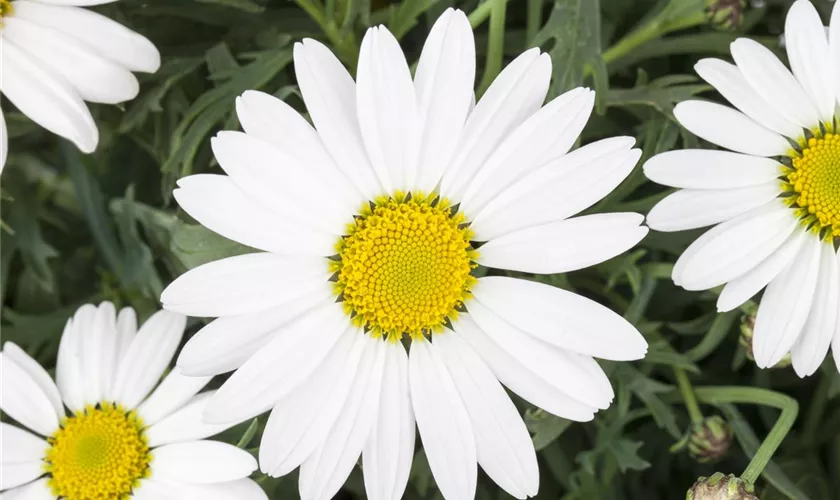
(80, 229)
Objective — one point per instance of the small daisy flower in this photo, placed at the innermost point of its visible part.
(774, 197)
(371, 227)
(117, 441)
(55, 55)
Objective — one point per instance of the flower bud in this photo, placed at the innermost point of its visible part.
(710, 440)
(746, 339)
(720, 487)
(725, 14)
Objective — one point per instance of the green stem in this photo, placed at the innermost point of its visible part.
(344, 44)
(657, 27)
(495, 44)
(481, 13)
(533, 21)
(754, 395)
(690, 399)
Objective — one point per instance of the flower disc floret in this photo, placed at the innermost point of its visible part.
(5, 8)
(100, 453)
(405, 264)
(813, 184)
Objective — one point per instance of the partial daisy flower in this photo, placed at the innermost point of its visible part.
(117, 441)
(55, 55)
(775, 196)
(371, 227)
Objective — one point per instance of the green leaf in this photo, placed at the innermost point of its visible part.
(196, 245)
(244, 5)
(545, 427)
(575, 28)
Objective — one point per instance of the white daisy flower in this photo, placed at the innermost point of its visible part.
(775, 196)
(369, 227)
(117, 441)
(55, 55)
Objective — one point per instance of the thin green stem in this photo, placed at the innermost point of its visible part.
(655, 28)
(495, 44)
(689, 398)
(754, 395)
(344, 44)
(533, 21)
(480, 14)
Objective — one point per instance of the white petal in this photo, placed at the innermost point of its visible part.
(37, 373)
(694, 208)
(272, 120)
(514, 95)
(4, 141)
(226, 343)
(94, 78)
(172, 394)
(24, 400)
(518, 375)
(104, 36)
(730, 129)
(444, 423)
(835, 343)
(834, 46)
(559, 189)
(387, 107)
(547, 135)
(18, 445)
(740, 290)
(812, 346)
(77, 3)
(46, 98)
(728, 80)
(785, 306)
(737, 247)
(564, 246)
(708, 169)
(150, 489)
(300, 422)
(126, 330)
(240, 489)
(185, 424)
(16, 474)
(221, 206)
(201, 462)
(279, 182)
(389, 449)
(330, 96)
(810, 60)
(281, 365)
(443, 83)
(244, 284)
(774, 82)
(324, 472)
(148, 356)
(554, 365)
(561, 318)
(68, 373)
(38, 490)
(99, 353)
(503, 444)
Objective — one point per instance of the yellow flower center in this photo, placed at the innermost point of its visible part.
(100, 453)
(404, 266)
(5, 8)
(813, 184)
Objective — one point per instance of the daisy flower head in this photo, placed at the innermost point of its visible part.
(55, 55)
(117, 440)
(774, 197)
(371, 228)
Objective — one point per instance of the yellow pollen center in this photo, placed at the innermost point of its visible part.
(404, 266)
(5, 8)
(100, 453)
(813, 183)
